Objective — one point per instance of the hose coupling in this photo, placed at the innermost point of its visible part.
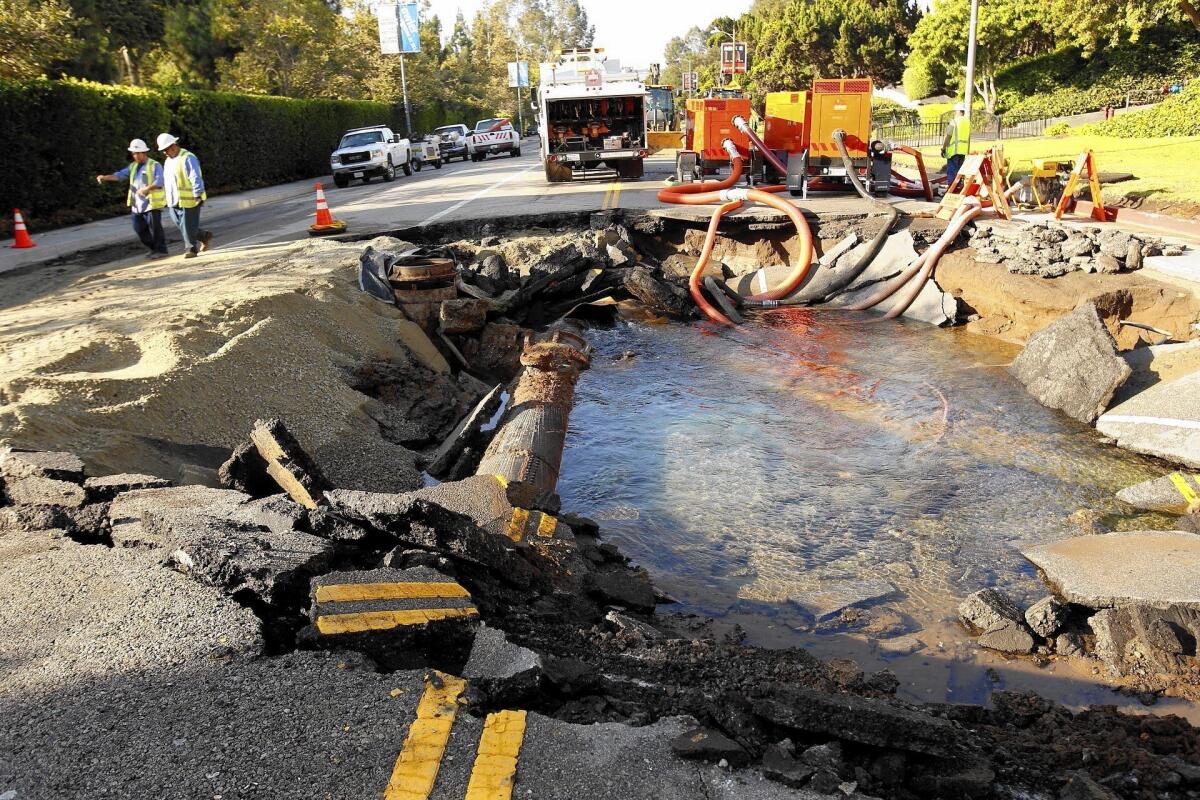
(731, 148)
(740, 193)
(838, 134)
(740, 123)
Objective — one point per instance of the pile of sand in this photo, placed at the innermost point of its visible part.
(163, 367)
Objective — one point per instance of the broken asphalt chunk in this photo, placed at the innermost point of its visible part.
(398, 618)
(1000, 621)
(38, 491)
(861, 719)
(106, 487)
(287, 463)
(127, 511)
(59, 465)
(706, 744)
(273, 566)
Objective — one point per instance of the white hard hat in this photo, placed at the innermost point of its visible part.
(165, 140)
(957, 107)
(138, 146)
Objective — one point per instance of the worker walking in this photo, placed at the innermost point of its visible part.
(184, 185)
(957, 143)
(146, 197)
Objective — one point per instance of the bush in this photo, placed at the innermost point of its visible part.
(1064, 82)
(918, 81)
(1178, 115)
(59, 135)
(1058, 129)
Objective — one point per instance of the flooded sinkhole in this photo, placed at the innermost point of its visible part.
(758, 472)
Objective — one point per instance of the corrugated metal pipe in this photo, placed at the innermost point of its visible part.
(528, 445)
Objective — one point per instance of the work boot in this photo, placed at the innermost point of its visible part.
(205, 238)
(190, 254)
(155, 255)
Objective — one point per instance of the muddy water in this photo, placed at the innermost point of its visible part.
(761, 472)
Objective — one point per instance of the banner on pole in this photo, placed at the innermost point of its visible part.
(690, 81)
(733, 58)
(410, 27)
(389, 28)
(518, 74)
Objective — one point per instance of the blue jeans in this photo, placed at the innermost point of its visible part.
(148, 227)
(188, 220)
(953, 164)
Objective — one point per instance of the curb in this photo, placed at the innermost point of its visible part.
(1147, 219)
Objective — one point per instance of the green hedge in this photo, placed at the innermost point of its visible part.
(58, 135)
(1178, 115)
(1065, 82)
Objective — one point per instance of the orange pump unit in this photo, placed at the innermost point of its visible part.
(845, 104)
(788, 120)
(710, 122)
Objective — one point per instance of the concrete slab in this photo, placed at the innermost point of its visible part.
(1163, 421)
(1171, 494)
(1160, 569)
(828, 601)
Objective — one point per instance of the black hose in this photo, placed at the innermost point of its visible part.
(716, 290)
(873, 247)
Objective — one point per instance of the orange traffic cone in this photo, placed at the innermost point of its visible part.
(325, 223)
(20, 232)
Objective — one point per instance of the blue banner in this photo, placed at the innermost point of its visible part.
(410, 28)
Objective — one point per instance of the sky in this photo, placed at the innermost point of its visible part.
(635, 31)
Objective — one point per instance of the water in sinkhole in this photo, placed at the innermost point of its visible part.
(758, 471)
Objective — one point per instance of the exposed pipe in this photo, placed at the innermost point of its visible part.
(710, 238)
(740, 123)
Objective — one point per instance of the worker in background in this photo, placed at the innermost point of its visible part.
(957, 143)
(184, 185)
(145, 199)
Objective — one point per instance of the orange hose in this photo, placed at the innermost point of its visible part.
(710, 239)
(912, 151)
(678, 194)
(804, 264)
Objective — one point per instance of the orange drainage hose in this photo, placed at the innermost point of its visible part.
(710, 238)
(915, 153)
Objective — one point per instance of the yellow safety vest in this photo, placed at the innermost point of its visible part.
(960, 137)
(184, 185)
(158, 197)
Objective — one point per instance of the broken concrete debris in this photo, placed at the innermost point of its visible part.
(705, 744)
(273, 458)
(1051, 249)
(37, 464)
(998, 619)
(1072, 365)
(1175, 493)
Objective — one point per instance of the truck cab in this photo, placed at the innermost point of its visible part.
(363, 153)
(592, 118)
(453, 141)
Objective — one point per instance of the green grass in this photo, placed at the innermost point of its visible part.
(1165, 169)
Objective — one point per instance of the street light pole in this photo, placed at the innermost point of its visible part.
(404, 89)
(968, 94)
(733, 41)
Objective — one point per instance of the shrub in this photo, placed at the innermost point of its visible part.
(59, 135)
(918, 80)
(1058, 129)
(1178, 115)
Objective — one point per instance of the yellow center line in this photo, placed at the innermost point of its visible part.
(1185, 489)
(517, 523)
(417, 766)
(333, 624)
(350, 592)
(495, 766)
(546, 526)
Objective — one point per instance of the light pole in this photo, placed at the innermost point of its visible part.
(520, 111)
(733, 40)
(968, 95)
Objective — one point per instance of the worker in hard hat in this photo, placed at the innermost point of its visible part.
(146, 198)
(184, 185)
(957, 143)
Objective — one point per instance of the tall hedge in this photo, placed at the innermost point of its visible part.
(58, 135)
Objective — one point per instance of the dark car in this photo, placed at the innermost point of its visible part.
(452, 141)
(531, 130)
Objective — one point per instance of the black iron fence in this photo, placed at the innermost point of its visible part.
(984, 127)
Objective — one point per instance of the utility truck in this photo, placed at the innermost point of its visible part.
(364, 153)
(593, 118)
(492, 136)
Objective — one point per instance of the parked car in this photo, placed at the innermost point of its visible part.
(453, 141)
(491, 136)
(364, 153)
(425, 150)
(531, 130)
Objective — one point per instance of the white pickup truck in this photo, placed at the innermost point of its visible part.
(364, 153)
(493, 136)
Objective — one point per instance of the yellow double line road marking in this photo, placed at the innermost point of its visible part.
(1185, 489)
(612, 196)
(518, 524)
(420, 759)
(334, 624)
(350, 592)
(331, 624)
(495, 768)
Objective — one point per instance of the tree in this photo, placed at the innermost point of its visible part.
(1092, 26)
(1007, 30)
(918, 82)
(33, 35)
(279, 43)
(133, 28)
(689, 51)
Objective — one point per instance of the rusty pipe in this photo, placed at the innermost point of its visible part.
(528, 445)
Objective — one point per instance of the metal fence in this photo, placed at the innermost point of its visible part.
(985, 127)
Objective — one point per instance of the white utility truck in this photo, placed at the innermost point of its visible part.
(365, 152)
(593, 118)
(492, 136)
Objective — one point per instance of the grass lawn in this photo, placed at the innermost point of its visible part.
(1166, 170)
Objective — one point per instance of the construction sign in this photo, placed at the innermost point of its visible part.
(690, 81)
(733, 58)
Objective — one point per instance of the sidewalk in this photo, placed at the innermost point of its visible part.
(92, 235)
